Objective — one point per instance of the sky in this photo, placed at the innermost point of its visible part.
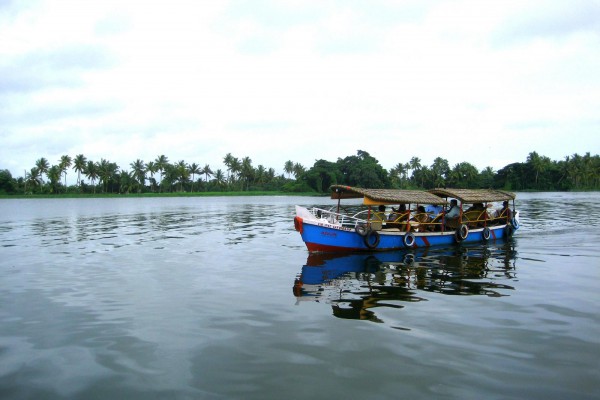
(486, 82)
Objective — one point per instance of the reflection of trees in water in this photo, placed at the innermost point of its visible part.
(375, 281)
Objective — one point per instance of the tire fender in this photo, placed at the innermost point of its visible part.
(361, 230)
(409, 239)
(461, 233)
(369, 242)
(486, 233)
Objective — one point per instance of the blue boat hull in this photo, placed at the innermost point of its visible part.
(323, 237)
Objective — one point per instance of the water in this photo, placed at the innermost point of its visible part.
(216, 298)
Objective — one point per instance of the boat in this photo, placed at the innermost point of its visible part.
(420, 220)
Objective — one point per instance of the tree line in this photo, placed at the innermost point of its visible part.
(574, 172)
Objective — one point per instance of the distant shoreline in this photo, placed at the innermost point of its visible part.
(139, 195)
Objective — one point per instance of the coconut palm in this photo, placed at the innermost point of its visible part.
(53, 174)
(161, 164)
(91, 171)
(228, 161)
(33, 178)
(127, 181)
(79, 166)
(247, 171)
(415, 164)
(236, 168)
(260, 174)
(42, 165)
(151, 168)
(289, 167)
(106, 171)
(206, 171)
(139, 173)
(182, 173)
(194, 169)
(219, 178)
(298, 170)
(63, 165)
(270, 175)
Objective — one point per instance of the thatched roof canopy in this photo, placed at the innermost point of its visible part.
(474, 195)
(385, 196)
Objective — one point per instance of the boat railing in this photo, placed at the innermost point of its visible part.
(335, 218)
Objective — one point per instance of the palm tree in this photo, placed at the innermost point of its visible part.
(288, 168)
(182, 173)
(126, 181)
(298, 170)
(535, 161)
(33, 177)
(139, 173)
(161, 164)
(63, 166)
(151, 168)
(228, 161)
(270, 175)
(91, 171)
(106, 171)
(206, 171)
(219, 178)
(79, 166)
(440, 169)
(236, 168)
(247, 171)
(415, 164)
(42, 165)
(396, 174)
(194, 169)
(53, 174)
(260, 174)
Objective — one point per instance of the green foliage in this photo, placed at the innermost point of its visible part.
(322, 175)
(363, 170)
(7, 183)
(538, 172)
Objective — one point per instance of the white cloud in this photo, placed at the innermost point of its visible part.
(297, 80)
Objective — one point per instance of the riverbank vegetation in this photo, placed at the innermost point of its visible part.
(165, 178)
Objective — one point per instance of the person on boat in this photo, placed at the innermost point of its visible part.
(421, 215)
(476, 207)
(423, 218)
(399, 214)
(476, 214)
(380, 213)
(452, 214)
(504, 214)
(454, 210)
(433, 210)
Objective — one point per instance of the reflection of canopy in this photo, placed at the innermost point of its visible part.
(474, 195)
(385, 196)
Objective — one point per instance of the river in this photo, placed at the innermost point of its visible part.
(217, 298)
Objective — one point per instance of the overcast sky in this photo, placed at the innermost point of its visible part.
(486, 82)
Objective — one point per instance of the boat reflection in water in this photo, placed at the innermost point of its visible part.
(355, 284)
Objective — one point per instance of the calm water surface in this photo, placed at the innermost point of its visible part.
(217, 298)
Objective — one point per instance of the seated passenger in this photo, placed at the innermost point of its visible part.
(380, 213)
(451, 215)
(399, 214)
(476, 214)
(423, 218)
(504, 215)
(421, 215)
(433, 210)
(476, 207)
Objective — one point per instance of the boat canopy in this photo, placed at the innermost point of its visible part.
(474, 195)
(385, 196)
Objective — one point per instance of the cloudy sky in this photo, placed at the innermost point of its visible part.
(478, 81)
